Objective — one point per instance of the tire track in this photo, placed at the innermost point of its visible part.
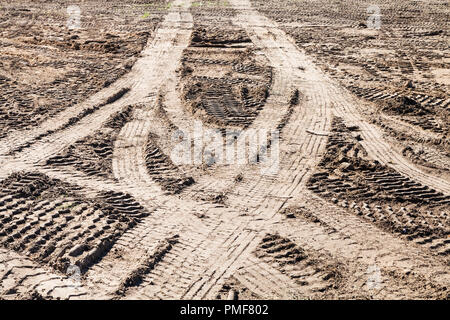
(351, 240)
(312, 144)
(217, 241)
(140, 80)
(128, 161)
(379, 149)
(21, 278)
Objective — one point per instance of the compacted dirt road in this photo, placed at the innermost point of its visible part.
(337, 203)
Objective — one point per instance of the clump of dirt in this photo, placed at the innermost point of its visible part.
(217, 36)
(405, 106)
(300, 212)
(294, 99)
(295, 212)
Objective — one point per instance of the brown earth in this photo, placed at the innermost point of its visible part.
(94, 204)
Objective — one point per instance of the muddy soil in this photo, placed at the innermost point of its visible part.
(54, 224)
(94, 205)
(402, 60)
(380, 194)
(47, 67)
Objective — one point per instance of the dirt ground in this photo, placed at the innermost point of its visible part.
(99, 98)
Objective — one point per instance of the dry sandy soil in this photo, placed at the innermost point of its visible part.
(93, 205)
